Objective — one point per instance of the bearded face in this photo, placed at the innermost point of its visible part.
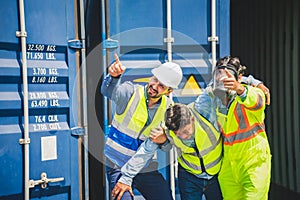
(156, 89)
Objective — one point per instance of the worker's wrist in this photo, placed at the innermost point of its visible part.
(166, 143)
(117, 77)
(244, 94)
(126, 180)
(240, 89)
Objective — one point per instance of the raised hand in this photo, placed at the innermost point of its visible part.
(266, 92)
(232, 84)
(116, 68)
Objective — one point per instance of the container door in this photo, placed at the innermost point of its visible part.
(136, 33)
(192, 46)
(53, 101)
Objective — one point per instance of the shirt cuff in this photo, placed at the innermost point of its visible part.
(126, 180)
(166, 146)
(254, 81)
(244, 94)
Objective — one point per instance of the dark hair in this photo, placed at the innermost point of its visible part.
(232, 63)
(177, 116)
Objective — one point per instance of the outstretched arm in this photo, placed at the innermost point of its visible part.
(116, 69)
(136, 163)
(251, 97)
(112, 80)
(250, 80)
(266, 92)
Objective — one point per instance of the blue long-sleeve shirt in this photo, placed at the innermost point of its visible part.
(120, 94)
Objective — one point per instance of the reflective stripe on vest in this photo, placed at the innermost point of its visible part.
(119, 148)
(245, 127)
(132, 121)
(196, 169)
(209, 143)
(122, 121)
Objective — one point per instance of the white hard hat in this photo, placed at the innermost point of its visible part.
(169, 74)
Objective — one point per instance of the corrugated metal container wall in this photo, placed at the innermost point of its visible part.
(40, 155)
(265, 35)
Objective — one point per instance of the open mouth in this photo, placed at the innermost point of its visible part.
(151, 90)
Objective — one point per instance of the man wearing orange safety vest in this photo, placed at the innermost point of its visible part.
(246, 168)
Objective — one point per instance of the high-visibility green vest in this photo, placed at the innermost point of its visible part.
(132, 121)
(209, 146)
(244, 122)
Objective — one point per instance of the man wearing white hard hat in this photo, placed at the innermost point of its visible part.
(138, 109)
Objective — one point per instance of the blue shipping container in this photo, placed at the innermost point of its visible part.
(52, 101)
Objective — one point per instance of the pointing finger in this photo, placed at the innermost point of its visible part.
(117, 58)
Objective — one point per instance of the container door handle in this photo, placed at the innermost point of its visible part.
(44, 181)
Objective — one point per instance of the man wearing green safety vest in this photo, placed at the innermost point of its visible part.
(199, 149)
(246, 168)
(137, 109)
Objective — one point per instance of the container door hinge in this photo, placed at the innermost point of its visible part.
(169, 40)
(23, 141)
(77, 131)
(213, 39)
(21, 33)
(76, 44)
(110, 44)
(44, 181)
